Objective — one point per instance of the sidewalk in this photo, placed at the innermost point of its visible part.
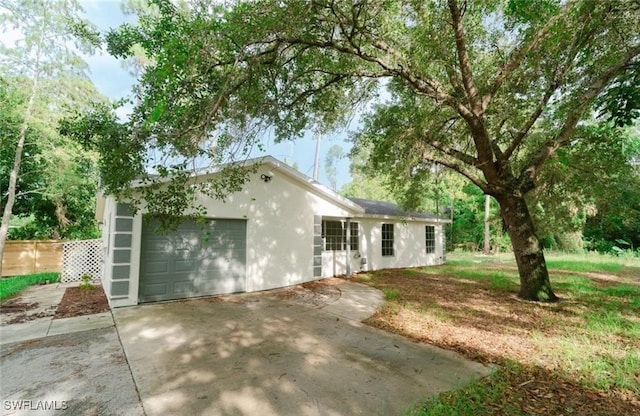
(48, 297)
(357, 302)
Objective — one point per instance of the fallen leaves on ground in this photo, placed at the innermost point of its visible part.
(494, 326)
(316, 294)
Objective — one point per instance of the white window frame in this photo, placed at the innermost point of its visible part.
(430, 238)
(387, 240)
(337, 239)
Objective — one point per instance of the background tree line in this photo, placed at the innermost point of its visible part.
(48, 182)
(590, 200)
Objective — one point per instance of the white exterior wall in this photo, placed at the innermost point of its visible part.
(121, 267)
(280, 237)
(409, 244)
(280, 232)
(107, 249)
(409, 248)
(334, 263)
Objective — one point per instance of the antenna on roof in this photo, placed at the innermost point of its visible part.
(316, 161)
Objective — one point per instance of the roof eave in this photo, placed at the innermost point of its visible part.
(316, 186)
(308, 182)
(406, 218)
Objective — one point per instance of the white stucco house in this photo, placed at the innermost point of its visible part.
(282, 229)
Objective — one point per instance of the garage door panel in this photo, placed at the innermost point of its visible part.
(185, 266)
(154, 267)
(157, 256)
(159, 246)
(155, 289)
(197, 259)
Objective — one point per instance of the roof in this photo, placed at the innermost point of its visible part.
(308, 182)
(357, 206)
(276, 165)
(389, 209)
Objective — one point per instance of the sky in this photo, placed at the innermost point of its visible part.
(112, 80)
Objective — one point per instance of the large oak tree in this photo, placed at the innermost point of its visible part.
(489, 89)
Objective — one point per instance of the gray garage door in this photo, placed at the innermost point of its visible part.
(197, 259)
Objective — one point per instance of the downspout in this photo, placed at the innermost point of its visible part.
(348, 234)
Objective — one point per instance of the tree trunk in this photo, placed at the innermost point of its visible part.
(11, 193)
(13, 176)
(487, 230)
(534, 277)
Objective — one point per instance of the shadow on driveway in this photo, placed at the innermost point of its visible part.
(251, 355)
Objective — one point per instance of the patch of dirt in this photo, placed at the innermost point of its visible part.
(17, 305)
(16, 311)
(75, 302)
(79, 301)
(492, 325)
(317, 294)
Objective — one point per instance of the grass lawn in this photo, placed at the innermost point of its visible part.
(10, 286)
(580, 356)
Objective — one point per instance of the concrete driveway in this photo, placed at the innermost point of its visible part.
(257, 354)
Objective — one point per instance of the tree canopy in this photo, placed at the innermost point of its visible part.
(57, 181)
(45, 178)
(490, 89)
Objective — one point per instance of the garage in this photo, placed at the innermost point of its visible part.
(199, 258)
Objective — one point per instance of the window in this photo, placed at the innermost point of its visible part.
(430, 238)
(387, 239)
(334, 234)
(354, 236)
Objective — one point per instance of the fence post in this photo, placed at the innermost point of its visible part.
(35, 257)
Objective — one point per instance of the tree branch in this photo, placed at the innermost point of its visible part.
(226, 91)
(517, 57)
(307, 93)
(456, 154)
(486, 148)
(463, 58)
(39, 191)
(429, 87)
(556, 82)
(457, 168)
(531, 170)
(522, 133)
(391, 63)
